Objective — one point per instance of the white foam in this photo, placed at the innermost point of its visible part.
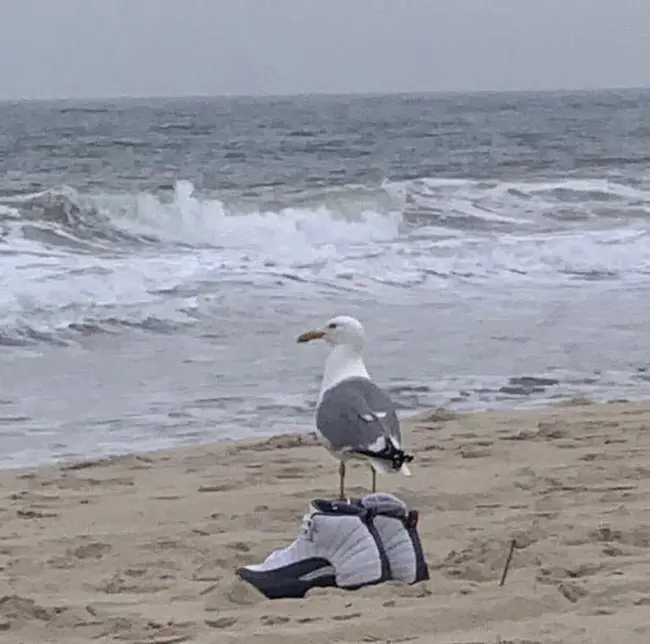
(189, 219)
(418, 239)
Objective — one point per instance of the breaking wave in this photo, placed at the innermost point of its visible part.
(75, 263)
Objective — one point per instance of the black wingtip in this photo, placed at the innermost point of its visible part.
(396, 457)
(400, 458)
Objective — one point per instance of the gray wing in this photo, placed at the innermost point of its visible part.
(355, 413)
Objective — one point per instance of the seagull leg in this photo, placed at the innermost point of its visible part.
(341, 480)
(374, 480)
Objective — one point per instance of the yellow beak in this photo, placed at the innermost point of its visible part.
(310, 335)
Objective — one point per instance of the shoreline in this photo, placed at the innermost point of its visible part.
(142, 547)
(406, 416)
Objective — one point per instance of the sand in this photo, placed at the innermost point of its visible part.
(142, 548)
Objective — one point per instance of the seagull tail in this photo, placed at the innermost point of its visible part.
(384, 468)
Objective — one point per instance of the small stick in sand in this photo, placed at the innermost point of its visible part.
(504, 574)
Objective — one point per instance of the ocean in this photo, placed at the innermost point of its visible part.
(159, 257)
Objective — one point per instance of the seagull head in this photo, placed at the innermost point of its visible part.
(341, 330)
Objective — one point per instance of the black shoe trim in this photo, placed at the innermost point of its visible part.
(285, 582)
(421, 567)
(386, 572)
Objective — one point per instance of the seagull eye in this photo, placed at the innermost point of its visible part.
(331, 325)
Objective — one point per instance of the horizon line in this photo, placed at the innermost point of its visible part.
(316, 94)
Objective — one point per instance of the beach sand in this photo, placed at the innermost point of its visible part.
(142, 548)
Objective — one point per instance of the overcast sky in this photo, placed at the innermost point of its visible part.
(93, 48)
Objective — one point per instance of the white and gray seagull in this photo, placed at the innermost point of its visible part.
(355, 419)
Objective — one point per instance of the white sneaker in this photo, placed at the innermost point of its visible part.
(338, 545)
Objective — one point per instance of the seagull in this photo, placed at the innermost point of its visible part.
(355, 419)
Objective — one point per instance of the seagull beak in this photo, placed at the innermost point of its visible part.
(310, 335)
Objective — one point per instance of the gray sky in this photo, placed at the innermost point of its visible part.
(88, 48)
